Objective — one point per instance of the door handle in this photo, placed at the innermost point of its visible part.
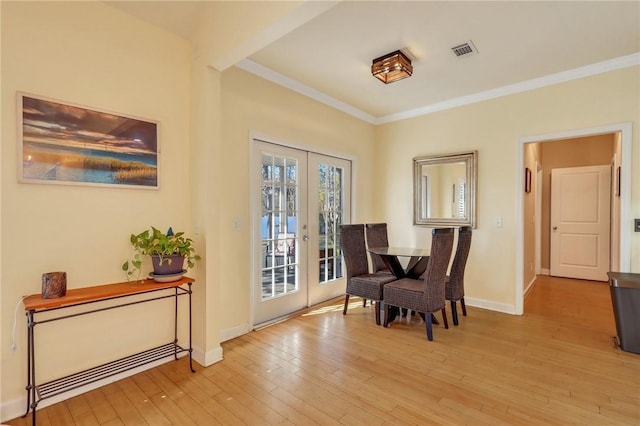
(555, 228)
(305, 238)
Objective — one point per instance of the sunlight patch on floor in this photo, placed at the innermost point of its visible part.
(334, 308)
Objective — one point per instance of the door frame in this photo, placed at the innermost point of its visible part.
(625, 195)
(538, 222)
(253, 203)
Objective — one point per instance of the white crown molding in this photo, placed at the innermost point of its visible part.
(296, 86)
(524, 86)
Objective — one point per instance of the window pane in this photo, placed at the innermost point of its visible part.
(330, 208)
(279, 226)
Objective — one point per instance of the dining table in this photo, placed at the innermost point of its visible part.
(416, 265)
(418, 259)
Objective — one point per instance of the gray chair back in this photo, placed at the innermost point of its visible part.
(455, 287)
(436, 272)
(377, 237)
(354, 250)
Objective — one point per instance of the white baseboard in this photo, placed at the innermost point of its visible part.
(207, 358)
(17, 407)
(492, 306)
(233, 332)
(529, 286)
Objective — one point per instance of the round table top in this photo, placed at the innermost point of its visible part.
(400, 251)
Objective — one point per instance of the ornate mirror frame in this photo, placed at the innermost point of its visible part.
(450, 177)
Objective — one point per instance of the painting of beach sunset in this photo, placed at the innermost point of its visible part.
(63, 143)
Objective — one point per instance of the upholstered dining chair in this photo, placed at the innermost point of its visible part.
(360, 282)
(376, 234)
(454, 283)
(425, 295)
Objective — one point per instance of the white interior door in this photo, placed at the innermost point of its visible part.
(580, 222)
(299, 201)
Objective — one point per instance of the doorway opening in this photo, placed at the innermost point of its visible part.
(530, 157)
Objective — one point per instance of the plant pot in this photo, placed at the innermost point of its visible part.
(172, 264)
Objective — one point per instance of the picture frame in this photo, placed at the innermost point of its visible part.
(527, 180)
(65, 143)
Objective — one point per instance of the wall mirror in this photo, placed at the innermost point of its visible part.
(444, 189)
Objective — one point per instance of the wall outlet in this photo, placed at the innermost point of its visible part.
(636, 225)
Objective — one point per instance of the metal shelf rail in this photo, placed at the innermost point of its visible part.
(35, 304)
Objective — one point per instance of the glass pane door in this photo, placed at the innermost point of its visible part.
(329, 207)
(300, 199)
(282, 272)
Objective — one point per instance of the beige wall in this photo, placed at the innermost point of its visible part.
(494, 129)
(251, 104)
(93, 55)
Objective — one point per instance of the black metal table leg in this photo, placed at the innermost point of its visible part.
(29, 315)
(32, 403)
(190, 332)
(175, 324)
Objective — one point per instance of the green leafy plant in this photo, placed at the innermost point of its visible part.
(154, 242)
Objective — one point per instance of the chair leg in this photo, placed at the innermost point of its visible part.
(386, 316)
(434, 320)
(464, 308)
(444, 318)
(429, 328)
(376, 305)
(346, 303)
(364, 302)
(454, 312)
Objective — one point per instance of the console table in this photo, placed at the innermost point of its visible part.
(87, 296)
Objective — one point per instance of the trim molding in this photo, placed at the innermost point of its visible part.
(296, 86)
(524, 86)
(490, 305)
(233, 332)
(207, 358)
(530, 287)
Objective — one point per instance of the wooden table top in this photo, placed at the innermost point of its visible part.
(75, 296)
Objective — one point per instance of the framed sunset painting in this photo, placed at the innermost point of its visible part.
(62, 143)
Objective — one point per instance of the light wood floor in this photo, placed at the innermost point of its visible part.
(555, 365)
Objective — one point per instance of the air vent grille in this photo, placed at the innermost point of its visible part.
(464, 49)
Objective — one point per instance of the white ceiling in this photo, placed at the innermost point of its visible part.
(521, 45)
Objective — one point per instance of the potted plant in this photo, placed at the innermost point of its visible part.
(168, 252)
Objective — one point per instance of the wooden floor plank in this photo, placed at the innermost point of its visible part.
(142, 402)
(554, 365)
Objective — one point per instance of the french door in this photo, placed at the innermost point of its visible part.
(299, 201)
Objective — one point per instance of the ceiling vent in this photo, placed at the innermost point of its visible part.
(465, 49)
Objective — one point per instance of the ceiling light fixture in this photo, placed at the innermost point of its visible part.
(392, 67)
